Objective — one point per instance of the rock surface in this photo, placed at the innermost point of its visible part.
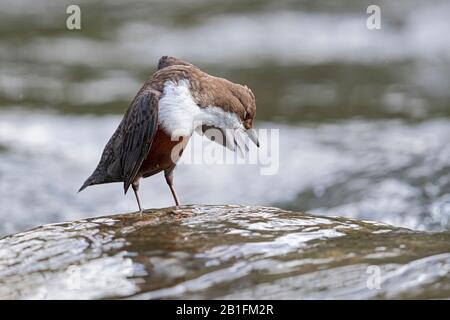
(236, 252)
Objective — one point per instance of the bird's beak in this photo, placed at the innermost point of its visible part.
(252, 135)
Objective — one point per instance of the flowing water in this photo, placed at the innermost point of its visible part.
(380, 170)
(224, 252)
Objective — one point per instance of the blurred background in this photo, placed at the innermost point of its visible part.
(364, 116)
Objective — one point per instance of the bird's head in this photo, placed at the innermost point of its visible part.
(232, 97)
(248, 102)
(246, 110)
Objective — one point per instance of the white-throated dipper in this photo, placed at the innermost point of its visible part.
(163, 116)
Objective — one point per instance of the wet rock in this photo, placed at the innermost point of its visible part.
(237, 252)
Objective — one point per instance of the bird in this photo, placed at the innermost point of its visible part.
(176, 101)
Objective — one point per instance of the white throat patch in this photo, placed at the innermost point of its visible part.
(179, 115)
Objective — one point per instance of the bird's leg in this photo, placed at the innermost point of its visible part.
(169, 179)
(135, 186)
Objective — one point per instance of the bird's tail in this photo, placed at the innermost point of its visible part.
(89, 182)
(97, 177)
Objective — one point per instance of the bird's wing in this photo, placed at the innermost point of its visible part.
(230, 139)
(139, 127)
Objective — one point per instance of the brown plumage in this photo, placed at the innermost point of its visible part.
(141, 146)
